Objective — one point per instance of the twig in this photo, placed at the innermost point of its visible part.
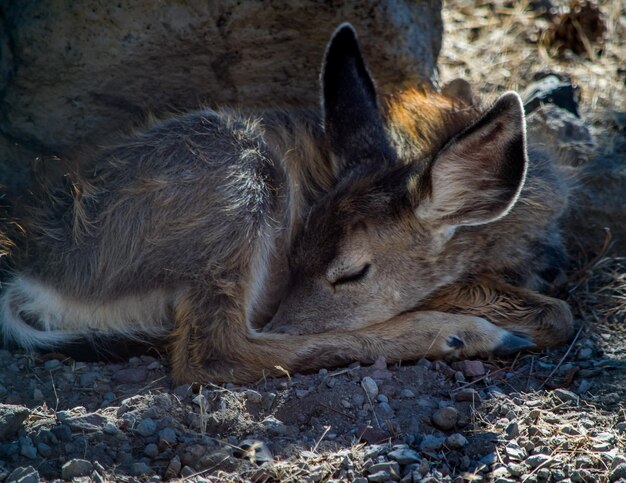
(569, 349)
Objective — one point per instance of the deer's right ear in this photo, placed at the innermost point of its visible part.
(352, 120)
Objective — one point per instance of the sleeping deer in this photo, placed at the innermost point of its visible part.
(410, 225)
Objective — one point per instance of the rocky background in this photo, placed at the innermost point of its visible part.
(72, 74)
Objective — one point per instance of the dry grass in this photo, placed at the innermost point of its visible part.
(498, 45)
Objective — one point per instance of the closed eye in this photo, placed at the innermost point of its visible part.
(353, 277)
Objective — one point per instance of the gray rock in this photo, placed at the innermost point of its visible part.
(378, 477)
(405, 456)
(390, 467)
(512, 430)
(407, 393)
(370, 387)
(74, 74)
(386, 409)
(151, 450)
(11, 418)
(456, 441)
(140, 468)
(27, 449)
(618, 472)
(253, 396)
(537, 460)
(585, 353)
(44, 449)
(52, 364)
(75, 468)
(86, 423)
(146, 427)
(132, 375)
(445, 418)
(432, 443)
(173, 468)
(167, 437)
(23, 474)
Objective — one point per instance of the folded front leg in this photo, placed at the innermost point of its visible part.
(547, 320)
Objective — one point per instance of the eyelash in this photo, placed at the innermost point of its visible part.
(355, 277)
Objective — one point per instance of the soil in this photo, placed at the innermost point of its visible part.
(542, 416)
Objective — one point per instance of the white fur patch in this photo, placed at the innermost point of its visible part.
(56, 319)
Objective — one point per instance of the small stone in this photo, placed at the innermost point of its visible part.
(456, 441)
(470, 368)
(110, 428)
(537, 460)
(133, 375)
(405, 456)
(147, 427)
(167, 437)
(370, 387)
(52, 364)
(140, 469)
(621, 427)
(151, 450)
(445, 418)
(187, 472)
(432, 443)
(618, 473)
(173, 468)
(75, 468)
(488, 459)
(407, 393)
(27, 449)
(514, 451)
(516, 469)
(585, 353)
(253, 396)
(512, 430)
(11, 418)
(23, 474)
(467, 394)
(565, 396)
(382, 398)
(390, 467)
(44, 450)
(378, 477)
(386, 409)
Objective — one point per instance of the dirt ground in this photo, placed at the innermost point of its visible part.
(540, 417)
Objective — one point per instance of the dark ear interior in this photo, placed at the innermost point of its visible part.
(352, 120)
(478, 176)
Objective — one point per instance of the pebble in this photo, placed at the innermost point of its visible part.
(382, 398)
(252, 396)
(132, 375)
(470, 368)
(467, 394)
(378, 477)
(618, 472)
(585, 353)
(23, 474)
(512, 430)
(370, 387)
(151, 450)
(173, 468)
(456, 441)
(44, 450)
(110, 428)
(390, 467)
(565, 396)
(11, 418)
(147, 427)
(27, 449)
(167, 437)
(75, 468)
(621, 427)
(386, 408)
(405, 456)
(445, 418)
(537, 460)
(407, 393)
(432, 443)
(140, 468)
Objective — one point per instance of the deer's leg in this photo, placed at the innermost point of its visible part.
(211, 342)
(547, 320)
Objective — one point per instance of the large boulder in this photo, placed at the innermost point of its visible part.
(72, 72)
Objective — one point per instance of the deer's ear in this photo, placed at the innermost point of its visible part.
(352, 120)
(478, 176)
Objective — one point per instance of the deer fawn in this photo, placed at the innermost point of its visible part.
(417, 226)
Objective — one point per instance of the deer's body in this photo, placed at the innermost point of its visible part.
(251, 243)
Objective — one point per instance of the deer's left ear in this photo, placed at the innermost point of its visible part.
(478, 176)
(352, 120)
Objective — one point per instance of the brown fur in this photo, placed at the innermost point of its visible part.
(251, 246)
